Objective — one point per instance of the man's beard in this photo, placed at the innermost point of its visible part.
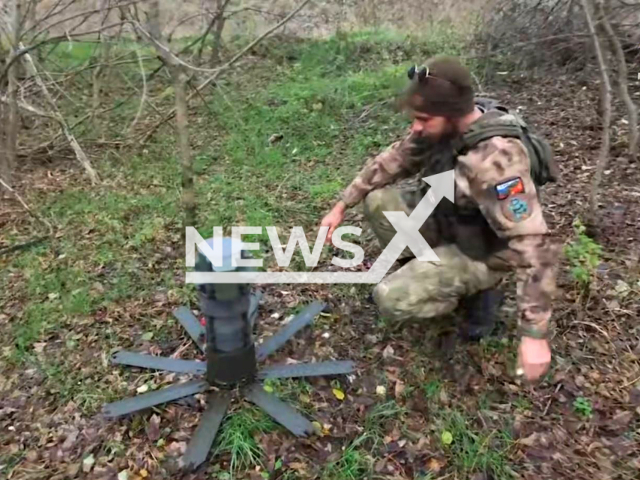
(451, 132)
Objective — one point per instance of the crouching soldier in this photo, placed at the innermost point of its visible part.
(495, 224)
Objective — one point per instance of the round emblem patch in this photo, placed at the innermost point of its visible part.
(517, 209)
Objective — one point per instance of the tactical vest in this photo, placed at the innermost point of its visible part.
(465, 225)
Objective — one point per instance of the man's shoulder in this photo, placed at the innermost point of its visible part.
(497, 150)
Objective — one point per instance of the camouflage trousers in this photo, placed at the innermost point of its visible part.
(422, 289)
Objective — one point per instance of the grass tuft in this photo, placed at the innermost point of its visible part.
(237, 438)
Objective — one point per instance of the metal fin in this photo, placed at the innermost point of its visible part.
(300, 321)
(140, 402)
(282, 413)
(200, 444)
(254, 307)
(158, 363)
(191, 325)
(307, 369)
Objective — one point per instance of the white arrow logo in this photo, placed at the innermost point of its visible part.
(408, 235)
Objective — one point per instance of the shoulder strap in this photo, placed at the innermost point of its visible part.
(500, 121)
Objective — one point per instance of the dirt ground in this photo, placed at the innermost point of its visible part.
(596, 347)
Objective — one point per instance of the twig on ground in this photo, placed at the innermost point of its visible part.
(23, 246)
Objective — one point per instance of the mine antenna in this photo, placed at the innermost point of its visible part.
(232, 357)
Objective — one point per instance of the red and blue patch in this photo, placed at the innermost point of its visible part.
(510, 187)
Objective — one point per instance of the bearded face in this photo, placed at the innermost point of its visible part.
(437, 129)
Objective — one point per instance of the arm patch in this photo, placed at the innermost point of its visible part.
(511, 187)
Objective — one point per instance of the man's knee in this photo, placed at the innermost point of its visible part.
(404, 296)
(379, 201)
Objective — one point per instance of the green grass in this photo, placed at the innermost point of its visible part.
(472, 451)
(237, 438)
(119, 244)
(432, 388)
(355, 463)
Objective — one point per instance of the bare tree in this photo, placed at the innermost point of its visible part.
(618, 53)
(11, 119)
(605, 98)
(102, 59)
(179, 79)
(220, 21)
(222, 68)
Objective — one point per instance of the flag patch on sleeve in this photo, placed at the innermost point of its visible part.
(510, 187)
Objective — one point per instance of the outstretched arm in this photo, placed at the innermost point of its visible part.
(400, 160)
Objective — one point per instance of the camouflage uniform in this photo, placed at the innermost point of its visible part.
(495, 225)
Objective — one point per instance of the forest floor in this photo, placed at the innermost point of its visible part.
(112, 274)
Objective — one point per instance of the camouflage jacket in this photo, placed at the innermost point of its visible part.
(494, 181)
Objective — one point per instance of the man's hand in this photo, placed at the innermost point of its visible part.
(333, 219)
(534, 357)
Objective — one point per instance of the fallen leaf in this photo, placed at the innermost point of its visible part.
(447, 437)
(339, 394)
(276, 137)
(388, 351)
(123, 475)
(147, 336)
(39, 346)
(142, 388)
(399, 388)
(435, 465)
(268, 388)
(298, 466)
(176, 448)
(88, 463)
(304, 398)
(70, 440)
(144, 473)
(381, 390)
(153, 428)
(72, 470)
(317, 427)
(529, 441)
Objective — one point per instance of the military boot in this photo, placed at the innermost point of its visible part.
(481, 311)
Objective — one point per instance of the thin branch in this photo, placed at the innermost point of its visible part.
(183, 21)
(78, 15)
(80, 155)
(144, 92)
(25, 50)
(226, 66)
(166, 52)
(23, 246)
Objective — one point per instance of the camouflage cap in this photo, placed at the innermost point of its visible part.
(442, 88)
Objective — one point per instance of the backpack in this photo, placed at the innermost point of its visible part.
(500, 121)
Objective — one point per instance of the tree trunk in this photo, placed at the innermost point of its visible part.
(98, 72)
(182, 120)
(616, 50)
(186, 161)
(605, 98)
(217, 34)
(12, 119)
